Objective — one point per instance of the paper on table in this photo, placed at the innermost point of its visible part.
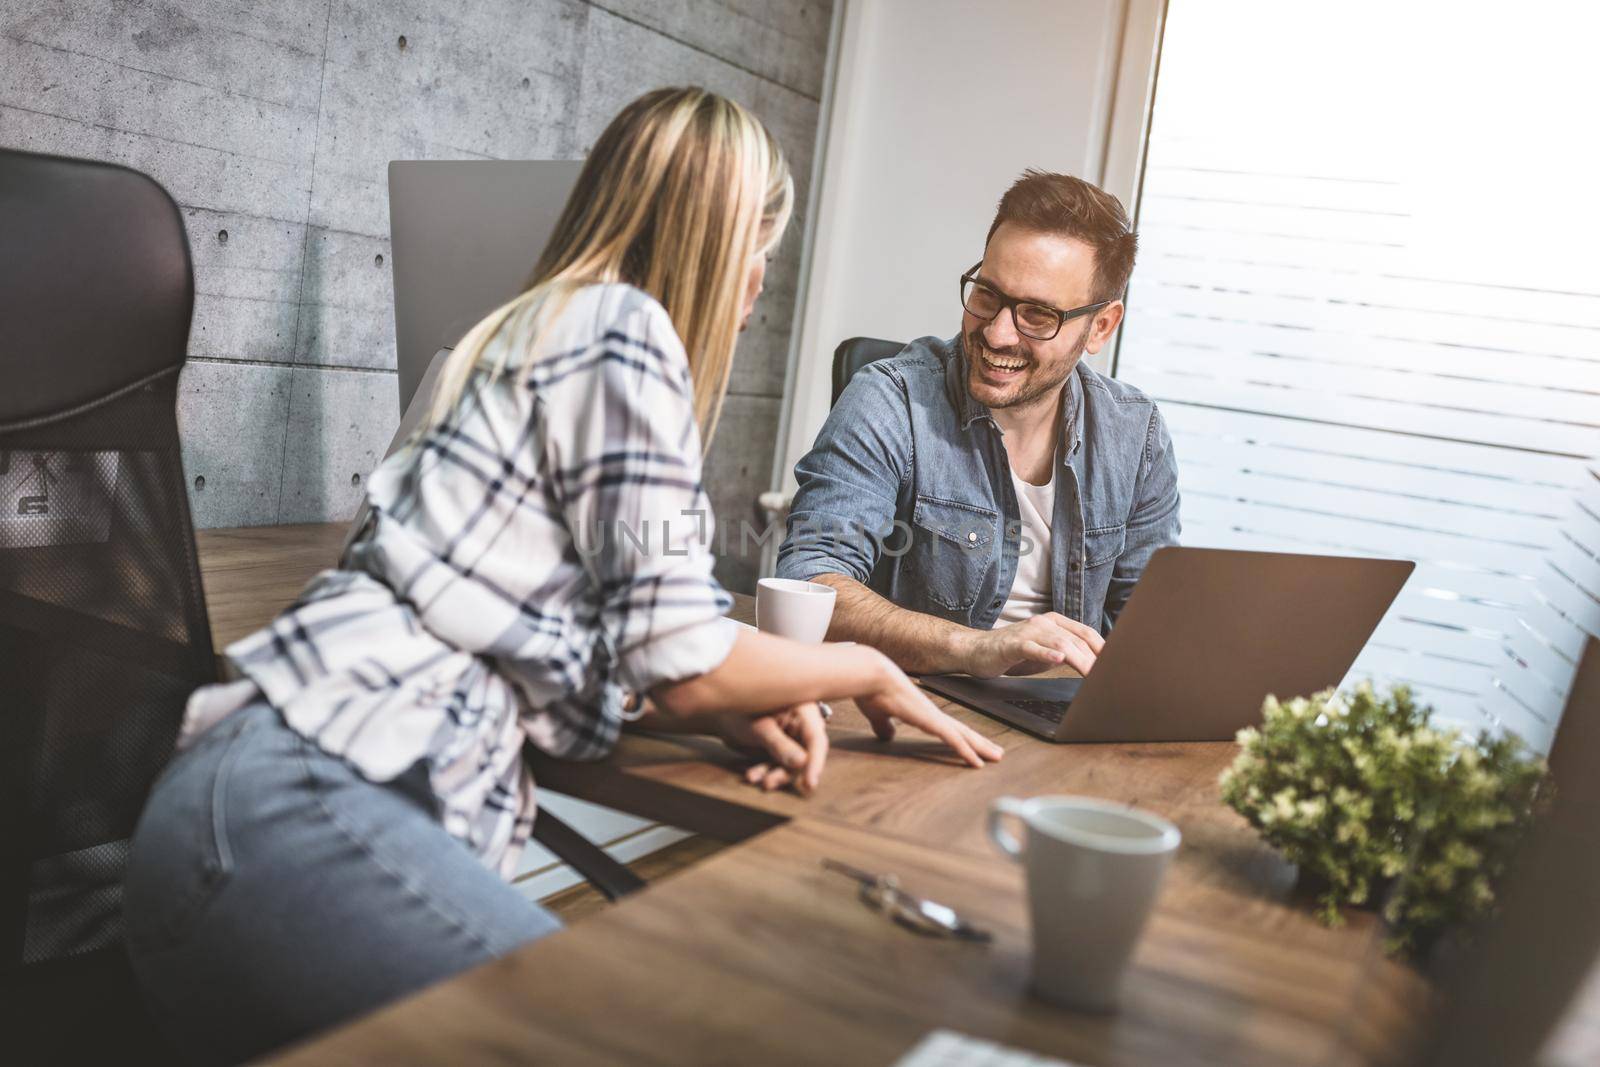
(947, 1048)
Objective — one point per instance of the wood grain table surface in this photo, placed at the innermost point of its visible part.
(252, 573)
(911, 789)
(760, 956)
(1233, 965)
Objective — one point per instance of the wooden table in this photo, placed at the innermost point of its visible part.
(760, 956)
(1231, 939)
(912, 789)
(252, 573)
(1233, 968)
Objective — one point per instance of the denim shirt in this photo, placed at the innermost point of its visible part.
(908, 490)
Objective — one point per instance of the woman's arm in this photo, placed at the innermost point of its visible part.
(786, 746)
(763, 673)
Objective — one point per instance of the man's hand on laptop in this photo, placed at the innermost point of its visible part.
(1028, 647)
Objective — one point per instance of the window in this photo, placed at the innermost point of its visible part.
(1368, 303)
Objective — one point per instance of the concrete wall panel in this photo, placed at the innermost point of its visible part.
(781, 42)
(340, 422)
(232, 418)
(736, 472)
(247, 284)
(272, 125)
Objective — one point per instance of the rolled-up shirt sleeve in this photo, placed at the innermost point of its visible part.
(849, 483)
(625, 453)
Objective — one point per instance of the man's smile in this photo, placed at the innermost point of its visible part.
(995, 369)
(1003, 363)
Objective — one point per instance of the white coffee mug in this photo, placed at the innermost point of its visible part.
(1094, 869)
(794, 609)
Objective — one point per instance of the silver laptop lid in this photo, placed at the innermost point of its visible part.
(465, 235)
(1210, 632)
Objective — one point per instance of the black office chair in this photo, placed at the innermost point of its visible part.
(851, 355)
(103, 629)
(856, 353)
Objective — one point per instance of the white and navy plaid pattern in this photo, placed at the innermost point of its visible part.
(525, 561)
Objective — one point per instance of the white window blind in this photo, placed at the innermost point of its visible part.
(1368, 301)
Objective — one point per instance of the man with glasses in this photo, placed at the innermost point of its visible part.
(985, 504)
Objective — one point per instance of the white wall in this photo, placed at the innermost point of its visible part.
(937, 106)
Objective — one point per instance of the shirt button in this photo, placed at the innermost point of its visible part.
(1073, 564)
(973, 538)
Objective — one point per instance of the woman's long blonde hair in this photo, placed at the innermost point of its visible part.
(681, 191)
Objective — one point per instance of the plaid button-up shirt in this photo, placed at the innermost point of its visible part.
(524, 562)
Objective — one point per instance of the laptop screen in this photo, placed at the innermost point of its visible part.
(465, 236)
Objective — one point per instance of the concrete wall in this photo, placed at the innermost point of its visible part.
(271, 124)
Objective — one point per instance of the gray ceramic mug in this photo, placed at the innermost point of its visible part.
(1094, 869)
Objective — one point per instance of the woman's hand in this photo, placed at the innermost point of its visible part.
(895, 697)
(764, 672)
(790, 745)
(890, 697)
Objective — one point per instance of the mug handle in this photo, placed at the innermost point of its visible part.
(1003, 838)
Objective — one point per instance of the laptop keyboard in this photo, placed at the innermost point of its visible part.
(1048, 710)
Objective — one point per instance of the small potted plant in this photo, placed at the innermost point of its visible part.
(1378, 806)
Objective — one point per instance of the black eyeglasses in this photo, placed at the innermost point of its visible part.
(1038, 321)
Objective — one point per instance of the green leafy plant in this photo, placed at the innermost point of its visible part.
(1366, 796)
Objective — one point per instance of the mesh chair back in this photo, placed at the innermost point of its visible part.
(103, 629)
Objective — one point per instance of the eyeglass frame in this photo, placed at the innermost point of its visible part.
(1010, 303)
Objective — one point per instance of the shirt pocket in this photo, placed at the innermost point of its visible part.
(1104, 544)
(952, 548)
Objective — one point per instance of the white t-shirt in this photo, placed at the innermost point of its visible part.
(1030, 591)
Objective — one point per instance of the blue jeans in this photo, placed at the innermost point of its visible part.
(273, 891)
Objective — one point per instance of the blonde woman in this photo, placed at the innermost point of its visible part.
(339, 824)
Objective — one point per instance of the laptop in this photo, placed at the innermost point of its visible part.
(1207, 635)
(464, 234)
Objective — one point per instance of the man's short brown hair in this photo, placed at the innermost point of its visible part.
(1062, 204)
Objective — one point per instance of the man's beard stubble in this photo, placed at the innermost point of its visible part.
(974, 347)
